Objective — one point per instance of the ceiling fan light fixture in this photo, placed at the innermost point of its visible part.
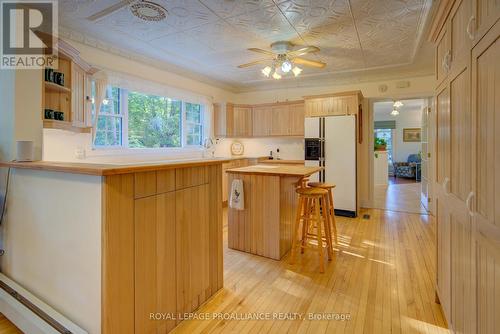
(296, 70)
(286, 66)
(276, 75)
(394, 112)
(398, 104)
(266, 71)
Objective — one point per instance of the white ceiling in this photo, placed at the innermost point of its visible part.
(211, 37)
(385, 107)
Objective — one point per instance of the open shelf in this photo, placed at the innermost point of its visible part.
(63, 125)
(50, 86)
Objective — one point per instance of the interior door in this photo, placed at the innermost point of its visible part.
(486, 183)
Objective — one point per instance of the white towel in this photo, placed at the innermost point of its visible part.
(237, 198)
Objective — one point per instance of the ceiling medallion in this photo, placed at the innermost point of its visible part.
(148, 11)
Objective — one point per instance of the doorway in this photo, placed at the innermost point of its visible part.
(400, 132)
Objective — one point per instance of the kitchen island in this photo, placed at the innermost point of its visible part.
(107, 245)
(265, 226)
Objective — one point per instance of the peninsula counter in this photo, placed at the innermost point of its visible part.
(108, 245)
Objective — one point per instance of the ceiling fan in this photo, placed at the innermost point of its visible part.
(284, 59)
(143, 9)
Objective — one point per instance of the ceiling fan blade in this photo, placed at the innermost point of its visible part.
(266, 52)
(254, 63)
(109, 10)
(307, 62)
(302, 51)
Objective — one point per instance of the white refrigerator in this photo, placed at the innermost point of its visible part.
(330, 142)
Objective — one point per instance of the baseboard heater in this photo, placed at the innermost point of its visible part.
(29, 313)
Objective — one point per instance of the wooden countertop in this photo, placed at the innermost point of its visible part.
(111, 169)
(276, 170)
(283, 162)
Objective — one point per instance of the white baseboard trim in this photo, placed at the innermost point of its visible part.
(24, 318)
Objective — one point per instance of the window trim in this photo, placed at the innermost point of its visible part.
(125, 142)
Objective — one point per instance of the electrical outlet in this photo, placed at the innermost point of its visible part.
(80, 153)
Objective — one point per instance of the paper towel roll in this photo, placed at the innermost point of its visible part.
(25, 151)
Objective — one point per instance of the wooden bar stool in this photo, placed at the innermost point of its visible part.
(328, 187)
(310, 213)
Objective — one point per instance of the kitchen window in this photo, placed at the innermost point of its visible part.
(110, 123)
(137, 120)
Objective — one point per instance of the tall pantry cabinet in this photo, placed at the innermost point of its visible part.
(466, 36)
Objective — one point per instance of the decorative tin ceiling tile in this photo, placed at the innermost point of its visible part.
(268, 24)
(212, 36)
(230, 8)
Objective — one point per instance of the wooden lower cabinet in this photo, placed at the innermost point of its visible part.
(162, 247)
(192, 247)
(155, 256)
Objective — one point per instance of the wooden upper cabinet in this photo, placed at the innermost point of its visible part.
(296, 119)
(280, 120)
(242, 121)
(221, 124)
(270, 119)
(443, 56)
(333, 104)
(81, 102)
(460, 25)
(485, 14)
(262, 121)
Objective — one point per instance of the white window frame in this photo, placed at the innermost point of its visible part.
(184, 124)
(124, 116)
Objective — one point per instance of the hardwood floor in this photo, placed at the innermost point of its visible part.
(382, 277)
(400, 180)
(7, 327)
(399, 197)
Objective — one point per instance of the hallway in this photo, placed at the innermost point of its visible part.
(404, 197)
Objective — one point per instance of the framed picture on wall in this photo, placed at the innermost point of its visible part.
(412, 135)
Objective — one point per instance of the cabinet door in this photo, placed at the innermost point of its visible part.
(219, 120)
(443, 56)
(262, 121)
(315, 107)
(343, 105)
(462, 310)
(461, 42)
(242, 121)
(192, 214)
(443, 139)
(486, 144)
(78, 100)
(486, 14)
(296, 119)
(155, 281)
(280, 121)
(443, 255)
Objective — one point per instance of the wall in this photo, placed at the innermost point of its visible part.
(290, 148)
(56, 258)
(408, 118)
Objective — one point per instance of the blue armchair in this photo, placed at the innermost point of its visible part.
(410, 168)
